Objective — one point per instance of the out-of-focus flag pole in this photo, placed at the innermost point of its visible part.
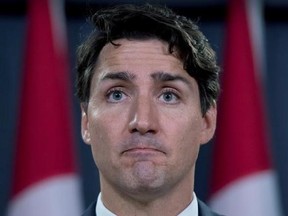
(243, 181)
(45, 180)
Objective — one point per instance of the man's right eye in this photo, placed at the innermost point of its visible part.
(115, 96)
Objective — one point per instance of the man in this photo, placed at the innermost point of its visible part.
(148, 84)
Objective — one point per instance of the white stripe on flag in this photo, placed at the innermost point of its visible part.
(252, 195)
(57, 196)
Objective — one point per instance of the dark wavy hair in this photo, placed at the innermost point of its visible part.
(144, 22)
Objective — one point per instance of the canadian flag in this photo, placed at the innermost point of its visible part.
(45, 181)
(243, 181)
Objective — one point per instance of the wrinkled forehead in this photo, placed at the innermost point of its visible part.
(132, 52)
(135, 60)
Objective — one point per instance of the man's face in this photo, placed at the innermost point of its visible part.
(143, 120)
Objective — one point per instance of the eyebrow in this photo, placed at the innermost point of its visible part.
(123, 75)
(166, 77)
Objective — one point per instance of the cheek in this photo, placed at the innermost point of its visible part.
(186, 128)
(99, 150)
(100, 139)
(186, 137)
(105, 132)
(186, 153)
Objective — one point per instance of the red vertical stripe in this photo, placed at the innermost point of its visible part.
(44, 144)
(241, 136)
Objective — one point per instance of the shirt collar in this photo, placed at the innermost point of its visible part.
(101, 210)
(190, 210)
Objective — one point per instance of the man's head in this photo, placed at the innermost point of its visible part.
(146, 22)
(148, 82)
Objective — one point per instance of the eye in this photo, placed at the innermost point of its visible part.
(115, 96)
(169, 96)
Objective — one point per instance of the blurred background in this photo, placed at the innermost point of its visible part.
(211, 16)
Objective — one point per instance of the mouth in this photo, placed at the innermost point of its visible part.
(143, 146)
(142, 151)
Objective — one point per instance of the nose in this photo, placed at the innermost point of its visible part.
(144, 117)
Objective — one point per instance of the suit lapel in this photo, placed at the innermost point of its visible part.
(90, 211)
(204, 210)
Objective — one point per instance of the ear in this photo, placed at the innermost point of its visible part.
(209, 124)
(85, 125)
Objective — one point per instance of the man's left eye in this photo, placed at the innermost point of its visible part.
(169, 97)
(115, 96)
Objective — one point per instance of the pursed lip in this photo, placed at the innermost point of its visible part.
(142, 149)
(142, 145)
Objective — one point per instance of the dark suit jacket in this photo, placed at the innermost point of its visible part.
(203, 210)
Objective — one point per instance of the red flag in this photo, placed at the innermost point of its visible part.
(242, 180)
(45, 180)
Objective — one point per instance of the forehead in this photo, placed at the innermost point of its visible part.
(140, 62)
(151, 54)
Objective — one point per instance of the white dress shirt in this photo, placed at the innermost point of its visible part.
(190, 210)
